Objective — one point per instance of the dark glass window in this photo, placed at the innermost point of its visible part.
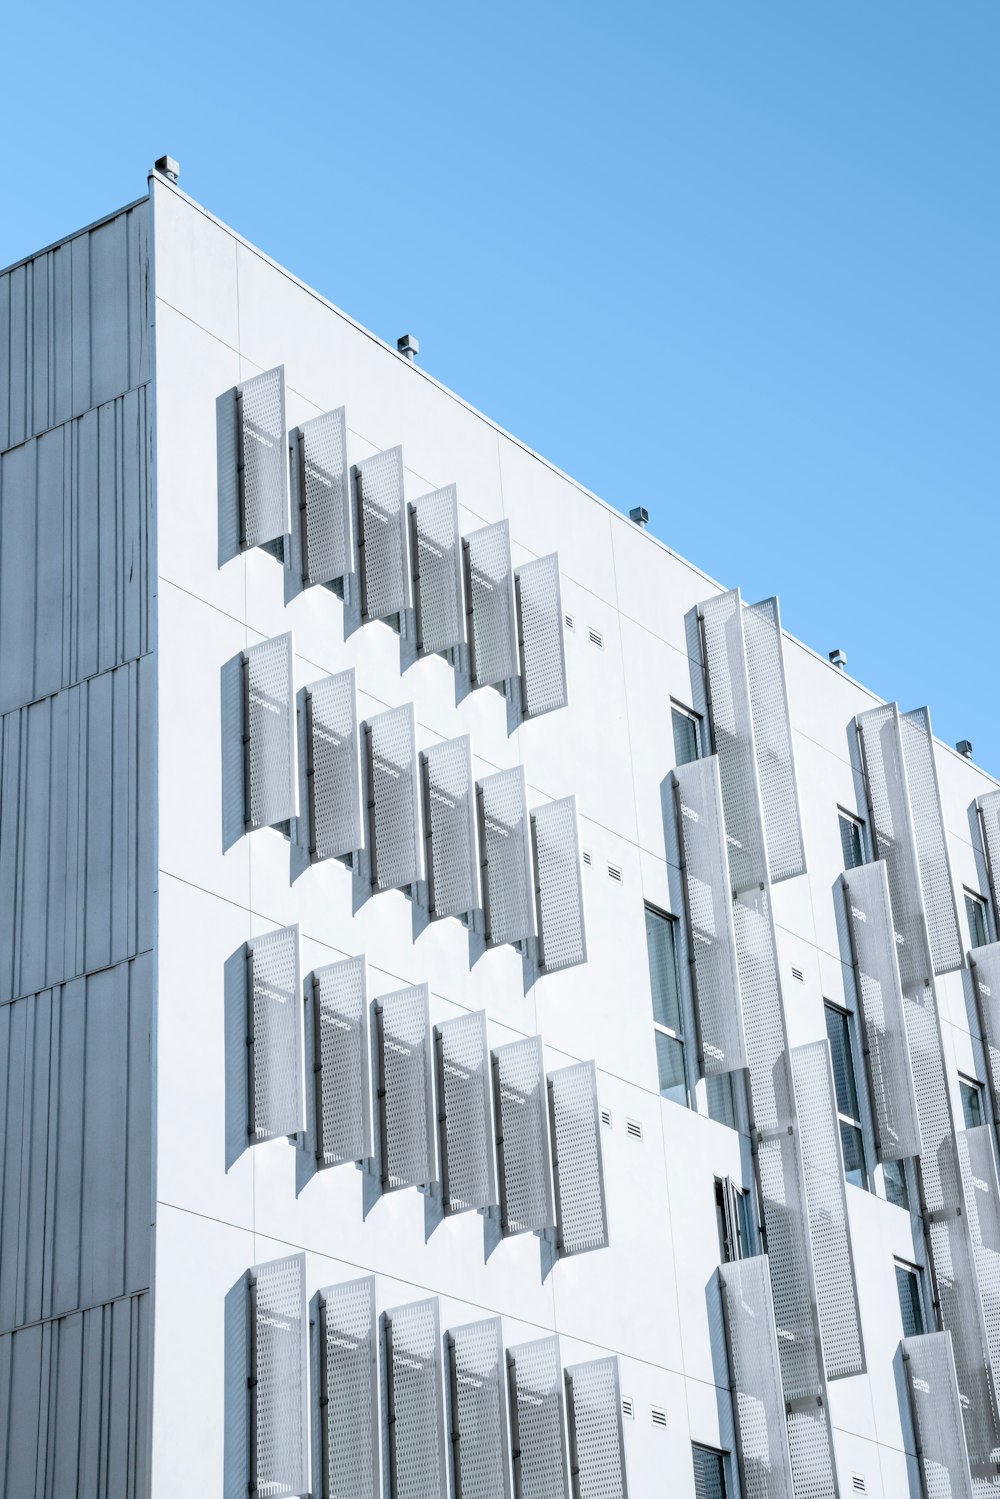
(709, 1473)
(686, 742)
(910, 1302)
(838, 1029)
(975, 911)
(852, 841)
(972, 1102)
(661, 947)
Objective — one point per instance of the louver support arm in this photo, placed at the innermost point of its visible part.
(278, 1380)
(755, 1379)
(407, 1151)
(577, 1159)
(505, 852)
(450, 828)
(262, 458)
(382, 527)
(333, 770)
(393, 792)
(274, 1036)
(936, 1411)
(596, 1436)
(541, 642)
(524, 1156)
(270, 784)
(709, 909)
(489, 601)
(480, 1428)
(418, 1466)
(324, 484)
(465, 1114)
(349, 1390)
(538, 1420)
(558, 866)
(436, 557)
(342, 1064)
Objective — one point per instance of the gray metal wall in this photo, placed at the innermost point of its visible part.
(76, 866)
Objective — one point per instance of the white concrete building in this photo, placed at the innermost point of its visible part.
(413, 875)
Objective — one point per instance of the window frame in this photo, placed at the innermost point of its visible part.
(681, 710)
(979, 1090)
(860, 1123)
(659, 1028)
(919, 1279)
(856, 821)
(734, 1221)
(982, 905)
(724, 1458)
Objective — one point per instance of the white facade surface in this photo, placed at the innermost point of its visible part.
(516, 1289)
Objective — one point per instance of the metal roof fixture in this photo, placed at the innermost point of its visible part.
(838, 658)
(639, 514)
(964, 747)
(168, 167)
(408, 346)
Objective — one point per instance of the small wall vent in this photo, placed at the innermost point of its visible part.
(569, 622)
(798, 975)
(628, 1408)
(587, 856)
(596, 638)
(658, 1416)
(606, 1118)
(634, 1129)
(614, 873)
(859, 1484)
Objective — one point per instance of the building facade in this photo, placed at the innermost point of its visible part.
(483, 1011)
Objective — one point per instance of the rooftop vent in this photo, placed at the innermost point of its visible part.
(839, 659)
(964, 747)
(408, 346)
(639, 514)
(167, 167)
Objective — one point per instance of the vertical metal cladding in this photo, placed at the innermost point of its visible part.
(982, 1200)
(988, 808)
(479, 1421)
(773, 746)
(451, 833)
(436, 556)
(75, 550)
(279, 1380)
(544, 687)
(489, 592)
(524, 1153)
(562, 927)
(418, 1467)
(880, 1000)
(755, 1380)
(577, 1159)
(349, 1388)
(709, 907)
(271, 785)
(596, 1438)
(505, 850)
(936, 1410)
(325, 497)
(383, 564)
(985, 964)
(262, 444)
(342, 1056)
(335, 804)
(406, 1074)
(465, 1100)
(936, 880)
(274, 1035)
(826, 1197)
(394, 841)
(538, 1420)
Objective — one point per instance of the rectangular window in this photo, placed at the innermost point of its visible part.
(661, 946)
(911, 1305)
(852, 840)
(973, 1110)
(732, 1213)
(709, 1473)
(975, 911)
(896, 1190)
(838, 1030)
(687, 746)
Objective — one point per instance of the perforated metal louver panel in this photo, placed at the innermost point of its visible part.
(263, 457)
(986, 983)
(343, 1093)
(890, 1077)
(279, 1459)
(418, 1466)
(395, 843)
(755, 1377)
(562, 927)
(982, 1201)
(337, 825)
(382, 538)
(596, 1438)
(505, 850)
(437, 564)
(349, 1384)
(578, 1166)
(826, 1199)
(936, 1409)
(275, 1035)
(523, 1150)
(773, 740)
(271, 787)
(325, 494)
(708, 899)
(989, 821)
(540, 631)
(406, 1115)
(538, 1423)
(465, 1097)
(479, 1410)
(489, 583)
(450, 819)
(932, 841)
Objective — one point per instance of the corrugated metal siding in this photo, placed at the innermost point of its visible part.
(74, 326)
(74, 1405)
(75, 1144)
(76, 834)
(75, 553)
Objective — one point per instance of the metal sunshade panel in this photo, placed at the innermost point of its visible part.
(343, 1062)
(538, 1420)
(773, 741)
(524, 1154)
(270, 778)
(578, 1162)
(418, 1467)
(278, 1379)
(489, 590)
(436, 556)
(449, 794)
(982, 1203)
(505, 850)
(562, 927)
(936, 880)
(406, 1084)
(325, 497)
(394, 842)
(480, 1430)
(988, 808)
(544, 687)
(596, 1434)
(985, 965)
(465, 1112)
(335, 801)
(349, 1390)
(383, 544)
(936, 1411)
(274, 1035)
(755, 1380)
(263, 457)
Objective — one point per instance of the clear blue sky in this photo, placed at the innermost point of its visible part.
(738, 263)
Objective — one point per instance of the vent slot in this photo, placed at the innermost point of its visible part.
(859, 1484)
(569, 622)
(614, 873)
(596, 638)
(798, 975)
(658, 1417)
(633, 1129)
(588, 857)
(606, 1118)
(628, 1408)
